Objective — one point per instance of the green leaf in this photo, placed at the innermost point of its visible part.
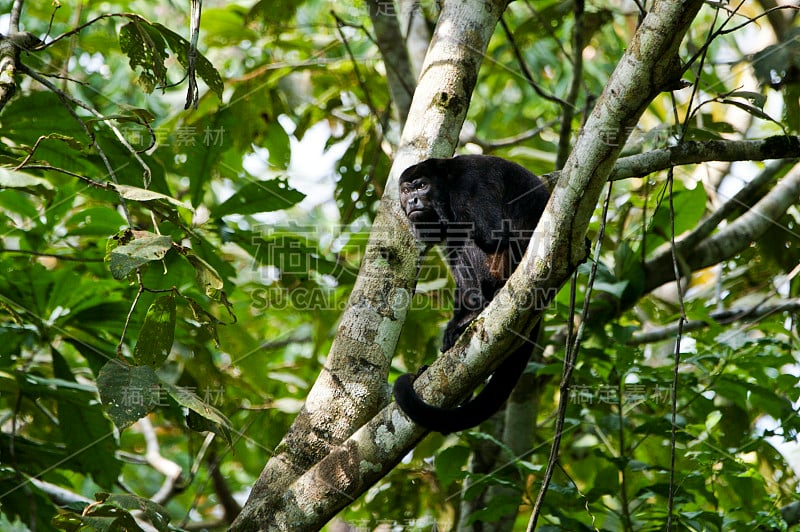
(23, 501)
(203, 66)
(689, 206)
(84, 428)
(450, 463)
(25, 182)
(156, 514)
(39, 114)
(792, 113)
(95, 221)
(615, 289)
(33, 456)
(99, 518)
(758, 99)
(259, 196)
(228, 26)
(751, 109)
(276, 141)
(216, 421)
(124, 259)
(158, 332)
(146, 49)
(128, 392)
(273, 12)
(205, 275)
(142, 194)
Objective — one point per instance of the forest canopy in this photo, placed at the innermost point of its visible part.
(207, 285)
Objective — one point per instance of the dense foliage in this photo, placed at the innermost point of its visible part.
(171, 279)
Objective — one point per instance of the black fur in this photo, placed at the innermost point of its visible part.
(484, 210)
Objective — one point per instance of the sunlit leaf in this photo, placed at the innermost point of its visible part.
(125, 259)
(25, 182)
(156, 336)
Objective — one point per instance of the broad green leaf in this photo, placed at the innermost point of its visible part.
(25, 182)
(206, 320)
(689, 207)
(277, 143)
(259, 196)
(34, 456)
(450, 464)
(124, 259)
(204, 68)
(146, 50)
(142, 194)
(146, 44)
(95, 221)
(156, 514)
(615, 289)
(792, 112)
(128, 392)
(22, 500)
(86, 430)
(751, 109)
(158, 332)
(758, 99)
(38, 114)
(216, 421)
(223, 26)
(100, 518)
(206, 277)
(274, 12)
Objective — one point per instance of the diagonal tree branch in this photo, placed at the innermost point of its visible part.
(352, 387)
(732, 238)
(379, 445)
(395, 56)
(696, 152)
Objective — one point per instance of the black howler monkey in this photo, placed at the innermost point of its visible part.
(484, 209)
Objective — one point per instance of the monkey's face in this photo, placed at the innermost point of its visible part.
(418, 199)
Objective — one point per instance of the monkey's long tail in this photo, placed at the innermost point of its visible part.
(474, 411)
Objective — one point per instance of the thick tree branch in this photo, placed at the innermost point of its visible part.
(379, 445)
(352, 387)
(696, 152)
(722, 316)
(732, 238)
(745, 198)
(395, 56)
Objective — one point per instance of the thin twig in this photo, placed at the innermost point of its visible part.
(108, 121)
(526, 72)
(570, 359)
(53, 255)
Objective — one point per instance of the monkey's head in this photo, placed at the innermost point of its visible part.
(420, 195)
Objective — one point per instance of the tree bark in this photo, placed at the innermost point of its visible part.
(290, 494)
(732, 238)
(399, 76)
(442, 97)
